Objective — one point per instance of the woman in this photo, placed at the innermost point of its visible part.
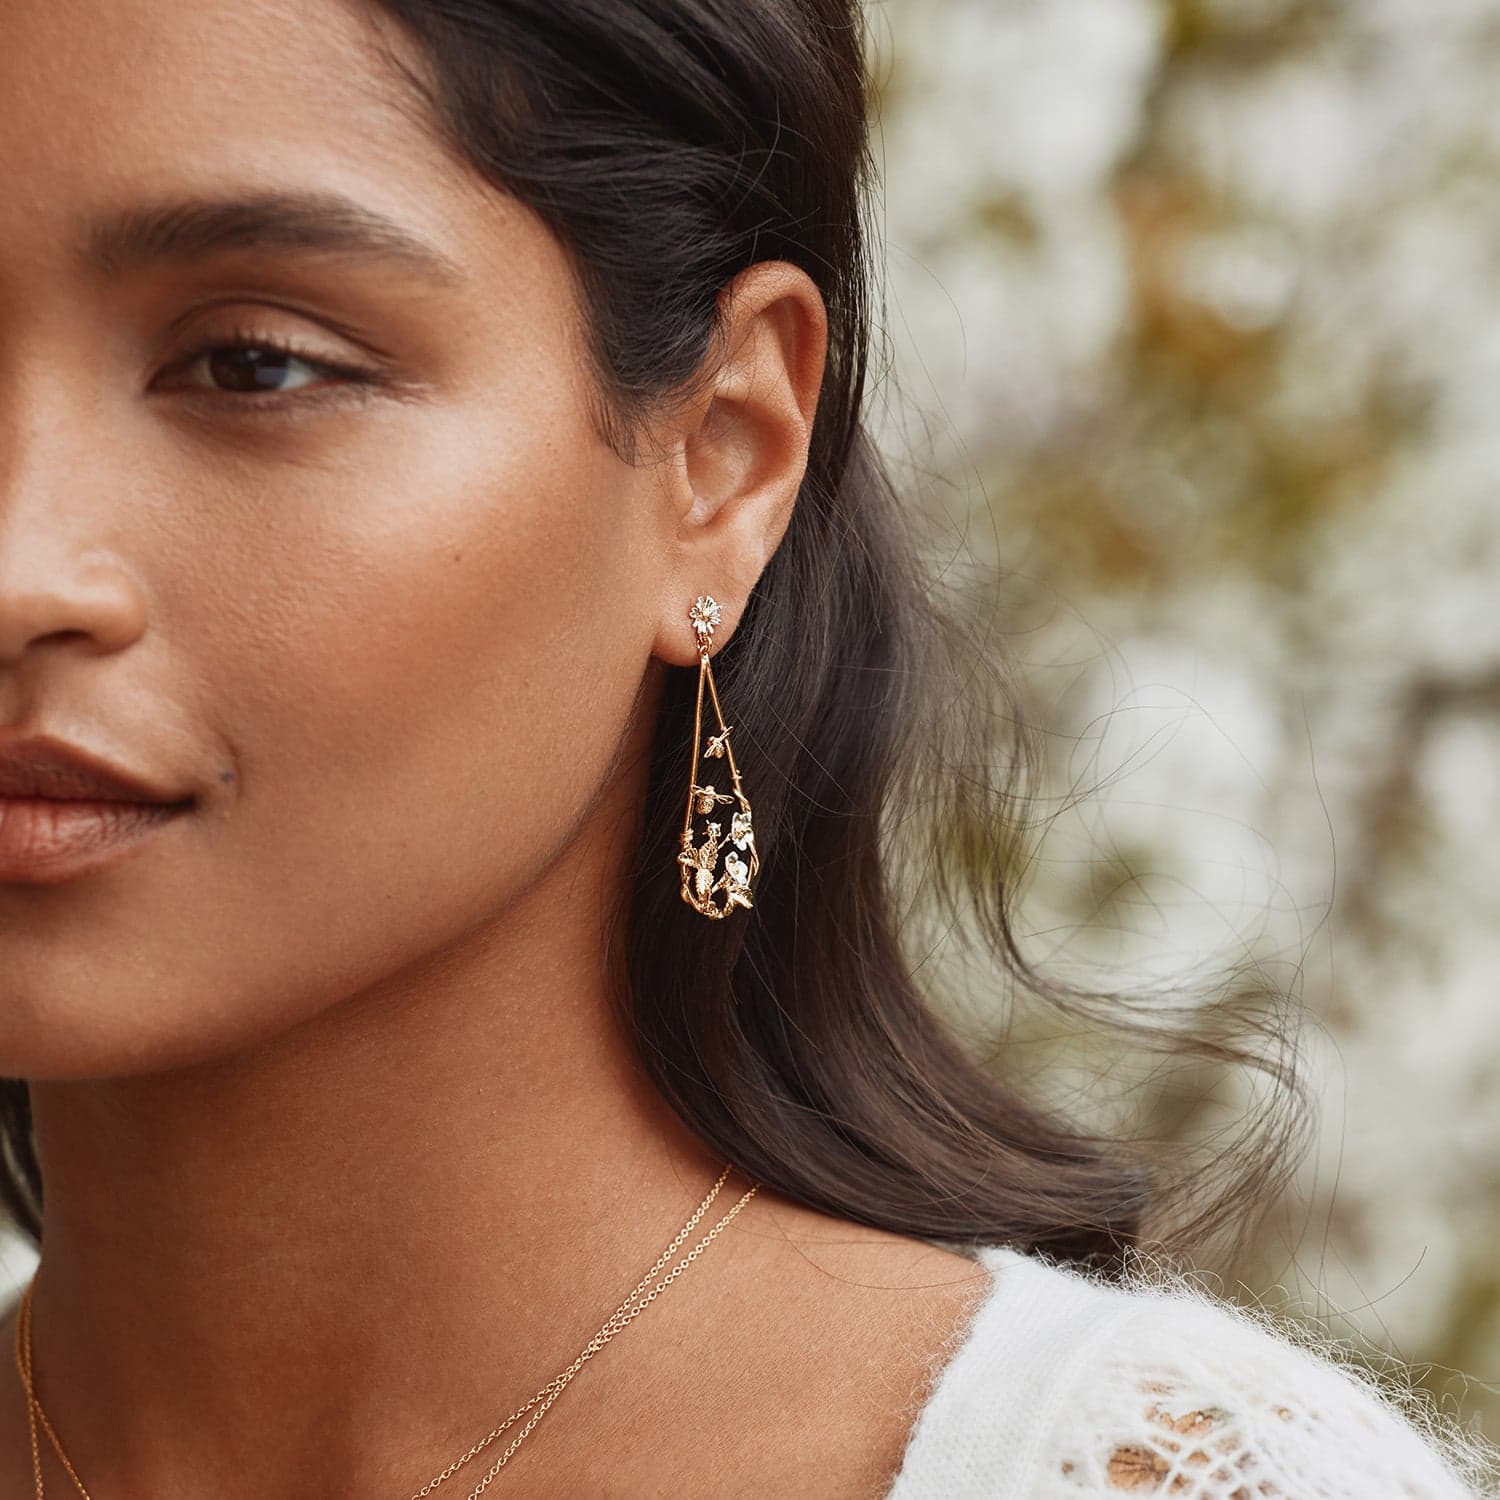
(459, 656)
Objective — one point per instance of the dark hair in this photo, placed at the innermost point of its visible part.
(669, 144)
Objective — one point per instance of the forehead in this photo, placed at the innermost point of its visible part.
(105, 104)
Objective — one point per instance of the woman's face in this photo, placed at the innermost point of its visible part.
(382, 605)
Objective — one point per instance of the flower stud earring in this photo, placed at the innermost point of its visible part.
(702, 881)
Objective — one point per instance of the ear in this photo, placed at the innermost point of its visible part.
(738, 450)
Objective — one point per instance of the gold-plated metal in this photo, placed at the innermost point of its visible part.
(701, 879)
(624, 1314)
(34, 1406)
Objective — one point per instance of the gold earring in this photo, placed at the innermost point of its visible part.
(700, 881)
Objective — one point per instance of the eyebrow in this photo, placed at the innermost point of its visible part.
(326, 223)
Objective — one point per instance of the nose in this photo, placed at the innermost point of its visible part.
(61, 582)
(49, 592)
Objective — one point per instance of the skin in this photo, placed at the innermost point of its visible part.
(344, 1157)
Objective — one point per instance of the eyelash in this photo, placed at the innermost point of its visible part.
(354, 381)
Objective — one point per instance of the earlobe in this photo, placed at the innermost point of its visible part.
(744, 449)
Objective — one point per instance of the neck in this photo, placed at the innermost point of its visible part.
(336, 1260)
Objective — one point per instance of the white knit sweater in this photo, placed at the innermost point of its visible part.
(1066, 1385)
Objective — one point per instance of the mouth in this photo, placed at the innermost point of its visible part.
(46, 840)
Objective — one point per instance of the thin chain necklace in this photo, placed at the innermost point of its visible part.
(627, 1311)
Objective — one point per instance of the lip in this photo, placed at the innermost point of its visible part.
(44, 766)
(65, 812)
(47, 840)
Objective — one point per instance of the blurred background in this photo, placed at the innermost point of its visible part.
(1194, 321)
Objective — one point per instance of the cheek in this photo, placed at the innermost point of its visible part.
(461, 675)
(418, 684)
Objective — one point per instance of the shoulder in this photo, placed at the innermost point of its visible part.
(1070, 1385)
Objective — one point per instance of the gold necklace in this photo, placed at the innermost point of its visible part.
(625, 1313)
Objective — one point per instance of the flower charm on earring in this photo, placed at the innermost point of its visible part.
(701, 880)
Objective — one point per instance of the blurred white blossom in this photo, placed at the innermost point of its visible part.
(1195, 317)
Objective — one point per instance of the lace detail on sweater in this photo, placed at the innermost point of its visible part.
(1069, 1385)
(1194, 1399)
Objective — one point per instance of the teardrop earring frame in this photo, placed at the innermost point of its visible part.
(701, 878)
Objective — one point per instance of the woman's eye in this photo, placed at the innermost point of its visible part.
(249, 369)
